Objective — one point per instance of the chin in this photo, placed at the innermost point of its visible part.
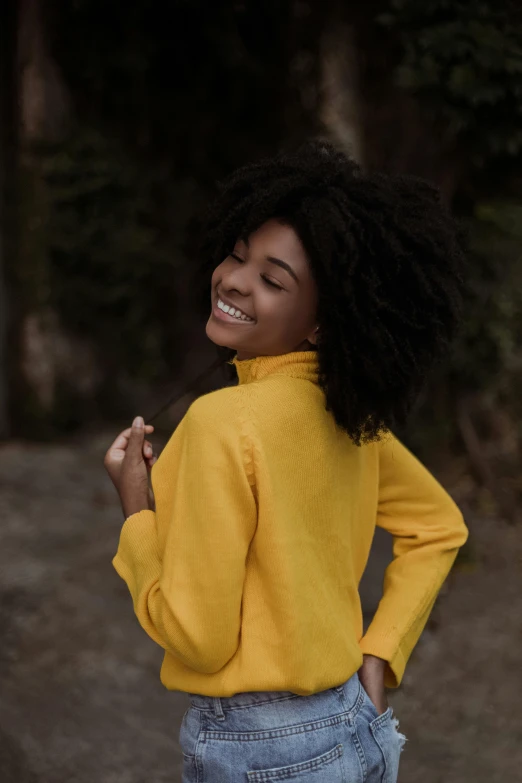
(214, 337)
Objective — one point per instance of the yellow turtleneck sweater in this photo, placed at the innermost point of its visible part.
(247, 573)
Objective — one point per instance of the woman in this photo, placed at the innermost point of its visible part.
(335, 292)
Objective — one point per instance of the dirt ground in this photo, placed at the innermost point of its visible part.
(80, 697)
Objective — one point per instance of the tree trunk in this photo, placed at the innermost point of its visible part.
(8, 126)
(43, 117)
(341, 98)
(382, 126)
(400, 136)
(44, 103)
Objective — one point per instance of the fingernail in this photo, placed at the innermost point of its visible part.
(138, 422)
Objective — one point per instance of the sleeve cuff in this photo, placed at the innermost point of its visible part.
(381, 646)
(138, 548)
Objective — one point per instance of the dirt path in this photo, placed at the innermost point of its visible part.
(461, 697)
(80, 697)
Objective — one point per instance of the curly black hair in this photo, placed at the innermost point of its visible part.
(388, 261)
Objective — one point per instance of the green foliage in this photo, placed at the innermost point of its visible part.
(486, 360)
(189, 91)
(463, 58)
(111, 275)
(488, 355)
(203, 85)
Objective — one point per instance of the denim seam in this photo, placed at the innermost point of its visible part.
(375, 735)
(381, 719)
(198, 763)
(351, 719)
(352, 711)
(267, 734)
(247, 706)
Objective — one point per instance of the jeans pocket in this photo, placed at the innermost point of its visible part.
(326, 767)
(385, 732)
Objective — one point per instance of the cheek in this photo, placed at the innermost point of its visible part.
(292, 319)
(281, 319)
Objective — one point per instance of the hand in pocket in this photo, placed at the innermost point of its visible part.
(371, 675)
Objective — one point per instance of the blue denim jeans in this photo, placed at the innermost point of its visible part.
(335, 736)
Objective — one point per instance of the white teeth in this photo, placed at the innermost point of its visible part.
(236, 313)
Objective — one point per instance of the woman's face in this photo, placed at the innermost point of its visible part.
(268, 278)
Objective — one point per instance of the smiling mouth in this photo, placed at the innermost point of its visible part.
(220, 314)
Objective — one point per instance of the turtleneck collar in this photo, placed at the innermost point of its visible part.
(297, 364)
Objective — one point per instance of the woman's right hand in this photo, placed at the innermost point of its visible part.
(115, 454)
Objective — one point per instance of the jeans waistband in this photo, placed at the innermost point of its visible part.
(218, 704)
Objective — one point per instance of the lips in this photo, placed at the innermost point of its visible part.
(231, 304)
(220, 315)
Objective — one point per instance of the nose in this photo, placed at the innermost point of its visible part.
(236, 293)
(235, 281)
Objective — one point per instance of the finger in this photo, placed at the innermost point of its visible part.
(137, 435)
(148, 429)
(122, 440)
(147, 449)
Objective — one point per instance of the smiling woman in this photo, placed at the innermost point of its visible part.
(267, 277)
(377, 281)
(333, 292)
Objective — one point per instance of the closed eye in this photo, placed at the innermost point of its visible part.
(269, 282)
(263, 277)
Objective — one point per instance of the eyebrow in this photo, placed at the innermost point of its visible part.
(276, 261)
(283, 265)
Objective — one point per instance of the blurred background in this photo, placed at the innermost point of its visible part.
(116, 120)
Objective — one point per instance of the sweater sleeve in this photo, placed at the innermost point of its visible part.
(187, 584)
(427, 529)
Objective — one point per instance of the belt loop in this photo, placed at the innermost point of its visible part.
(218, 708)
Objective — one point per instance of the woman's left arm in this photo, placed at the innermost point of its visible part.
(427, 529)
(185, 563)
